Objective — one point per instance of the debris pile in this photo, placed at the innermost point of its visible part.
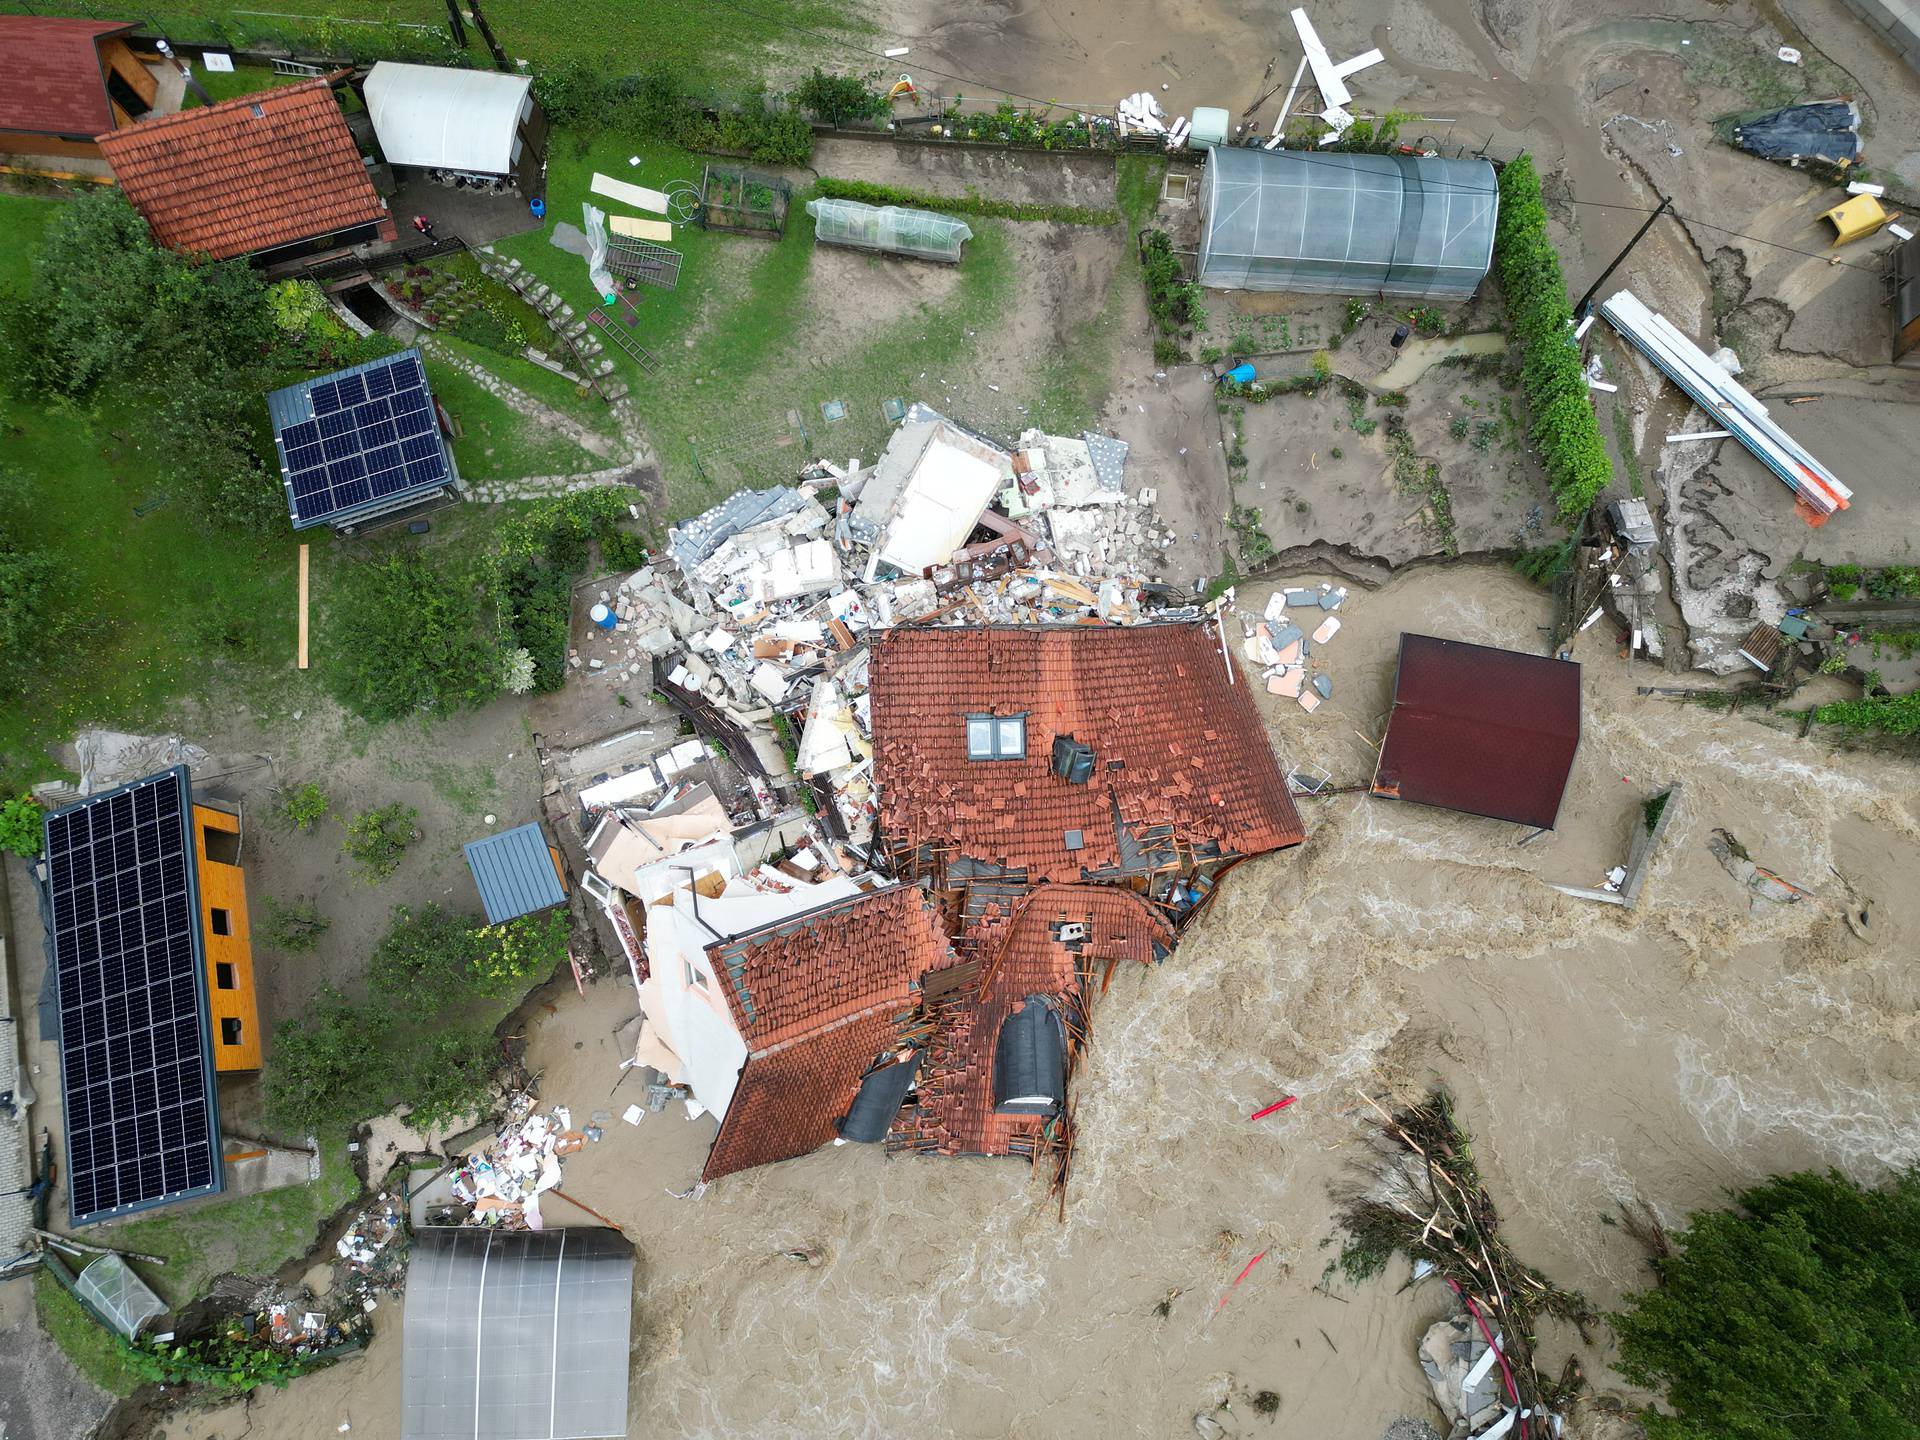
(372, 1258)
(757, 612)
(503, 1183)
(1282, 641)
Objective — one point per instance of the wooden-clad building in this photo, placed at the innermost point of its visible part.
(63, 82)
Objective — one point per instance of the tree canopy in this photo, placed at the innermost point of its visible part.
(1792, 1314)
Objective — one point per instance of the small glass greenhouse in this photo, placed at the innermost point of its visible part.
(1329, 223)
(114, 1291)
(889, 228)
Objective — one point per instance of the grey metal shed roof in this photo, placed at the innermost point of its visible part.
(516, 1335)
(515, 873)
(1334, 223)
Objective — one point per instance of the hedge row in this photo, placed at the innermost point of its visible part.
(657, 106)
(1564, 429)
(873, 194)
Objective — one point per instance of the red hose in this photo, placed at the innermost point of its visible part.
(1506, 1370)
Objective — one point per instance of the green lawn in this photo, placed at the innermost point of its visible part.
(167, 610)
(714, 43)
(253, 1234)
(757, 354)
(96, 1352)
(230, 85)
(496, 442)
(23, 219)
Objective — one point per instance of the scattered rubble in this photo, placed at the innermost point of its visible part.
(503, 1183)
(754, 619)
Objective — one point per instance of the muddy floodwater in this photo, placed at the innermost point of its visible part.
(1598, 1055)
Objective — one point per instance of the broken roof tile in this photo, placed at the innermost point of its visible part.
(1142, 694)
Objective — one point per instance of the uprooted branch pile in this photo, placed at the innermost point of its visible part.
(1424, 1198)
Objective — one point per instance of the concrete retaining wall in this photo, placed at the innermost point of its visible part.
(1895, 21)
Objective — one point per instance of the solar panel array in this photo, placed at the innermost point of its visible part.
(372, 436)
(142, 1126)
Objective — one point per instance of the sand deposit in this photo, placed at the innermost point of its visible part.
(1598, 1055)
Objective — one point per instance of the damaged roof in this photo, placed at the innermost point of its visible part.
(1025, 953)
(1486, 731)
(817, 998)
(252, 174)
(1180, 755)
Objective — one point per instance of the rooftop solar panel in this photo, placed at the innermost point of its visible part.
(338, 435)
(123, 926)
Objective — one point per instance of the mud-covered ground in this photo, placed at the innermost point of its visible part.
(1598, 1055)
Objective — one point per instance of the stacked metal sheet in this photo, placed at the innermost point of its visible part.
(1730, 404)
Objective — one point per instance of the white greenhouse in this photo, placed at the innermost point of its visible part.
(889, 229)
(1328, 223)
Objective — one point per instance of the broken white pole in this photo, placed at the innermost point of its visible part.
(1286, 105)
(1861, 187)
(896, 52)
(1585, 325)
(1726, 400)
(1329, 78)
(1588, 623)
(1699, 435)
(1602, 385)
(1225, 654)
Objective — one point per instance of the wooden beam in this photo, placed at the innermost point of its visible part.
(303, 608)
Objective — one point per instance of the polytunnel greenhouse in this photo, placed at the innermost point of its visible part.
(889, 229)
(1330, 223)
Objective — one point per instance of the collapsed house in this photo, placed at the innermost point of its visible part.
(987, 757)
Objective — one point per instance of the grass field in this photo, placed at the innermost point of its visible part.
(757, 353)
(712, 43)
(496, 442)
(95, 1352)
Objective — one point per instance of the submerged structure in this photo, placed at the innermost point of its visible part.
(1328, 223)
(1486, 731)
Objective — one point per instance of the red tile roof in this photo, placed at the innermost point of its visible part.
(1021, 956)
(1176, 743)
(227, 181)
(51, 82)
(817, 999)
(1491, 732)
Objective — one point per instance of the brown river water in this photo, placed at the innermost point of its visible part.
(1664, 1054)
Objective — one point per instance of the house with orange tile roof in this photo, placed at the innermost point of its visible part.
(275, 176)
(1030, 754)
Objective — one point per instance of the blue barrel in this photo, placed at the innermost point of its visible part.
(603, 617)
(539, 208)
(1241, 374)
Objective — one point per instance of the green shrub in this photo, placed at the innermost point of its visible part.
(620, 550)
(529, 948)
(407, 637)
(450, 1077)
(425, 961)
(1895, 582)
(21, 826)
(1788, 1315)
(376, 839)
(839, 99)
(1564, 429)
(1173, 301)
(295, 927)
(332, 1066)
(871, 194)
(1899, 715)
(305, 806)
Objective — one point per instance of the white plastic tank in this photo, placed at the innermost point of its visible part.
(1209, 128)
